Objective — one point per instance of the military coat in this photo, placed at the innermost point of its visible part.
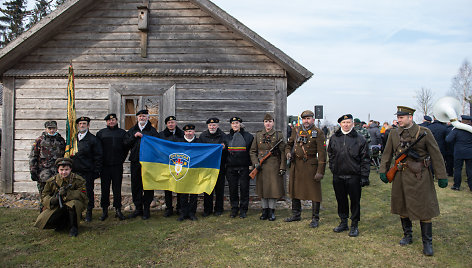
(413, 190)
(269, 184)
(45, 151)
(75, 196)
(308, 158)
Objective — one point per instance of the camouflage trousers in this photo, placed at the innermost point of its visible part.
(40, 190)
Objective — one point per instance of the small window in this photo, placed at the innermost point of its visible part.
(133, 104)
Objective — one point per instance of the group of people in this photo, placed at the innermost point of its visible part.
(66, 194)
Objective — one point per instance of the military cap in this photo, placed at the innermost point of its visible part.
(466, 117)
(307, 113)
(169, 118)
(63, 161)
(403, 110)
(427, 118)
(50, 124)
(110, 116)
(189, 127)
(268, 117)
(213, 120)
(235, 119)
(83, 118)
(345, 117)
(357, 120)
(142, 112)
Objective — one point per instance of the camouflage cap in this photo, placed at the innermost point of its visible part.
(50, 124)
(307, 113)
(403, 110)
(268, 117)
(63, 161)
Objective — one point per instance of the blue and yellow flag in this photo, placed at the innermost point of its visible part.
(180, 167)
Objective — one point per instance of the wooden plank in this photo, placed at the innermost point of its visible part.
(226, 105)
(27, 134)
(59, 104)
(223, 94)
(37, 126)
(167, 105)
(97, 114)
(59, 93)
(280, 103)
(129, 13)
(8, 135)
(58, 83)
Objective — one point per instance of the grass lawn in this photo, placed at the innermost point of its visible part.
(225, 242)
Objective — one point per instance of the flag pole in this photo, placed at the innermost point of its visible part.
(71, 126)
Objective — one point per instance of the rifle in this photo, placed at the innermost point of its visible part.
(60, 197)
(391, 173)
(256, 170)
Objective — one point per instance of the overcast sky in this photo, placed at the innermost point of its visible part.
(367, 56)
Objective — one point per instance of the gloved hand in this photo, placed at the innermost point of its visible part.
(383, 177)
(53, 202)
(258, 166)
(442, 183)
(318, 177)
(62, 191)
(281, 172)
(34, 177)
(364, 181)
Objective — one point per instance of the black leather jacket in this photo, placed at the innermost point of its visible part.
(88, 158)
(348, 154)
(113, 145)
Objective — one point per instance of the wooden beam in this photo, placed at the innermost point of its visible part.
(8, 133)
(280, 103)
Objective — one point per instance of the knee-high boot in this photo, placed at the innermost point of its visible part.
(315, 215)
(427, 235)
(296, 211)
(407, 232)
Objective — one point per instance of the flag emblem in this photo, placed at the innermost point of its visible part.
(178, 165)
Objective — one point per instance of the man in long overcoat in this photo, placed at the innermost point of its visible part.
(64, 199)
(413, 192)
(306, 148)
(269, 181)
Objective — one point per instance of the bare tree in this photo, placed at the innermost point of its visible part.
(461, 87)
(424, 100)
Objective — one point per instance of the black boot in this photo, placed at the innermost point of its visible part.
(342, 226)
(119, 215)
(427, 235)
(104, 214)
(315, 215)
(88, 215)
(243, 214)
(169, 212)
(265, 214)
(407, 232)
(354, 229)
(74, 230)
(146, 213)
(137, 212)
(271, 214)
(296, 211)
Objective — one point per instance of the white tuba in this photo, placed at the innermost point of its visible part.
(447, 109)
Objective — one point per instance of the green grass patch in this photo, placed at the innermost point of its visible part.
(225, 242)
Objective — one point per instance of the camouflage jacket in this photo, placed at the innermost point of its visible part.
(364, 132)
(44, 152)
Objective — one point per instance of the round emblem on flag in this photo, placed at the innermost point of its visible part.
(178, 165)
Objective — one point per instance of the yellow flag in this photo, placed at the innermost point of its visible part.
(71, 126)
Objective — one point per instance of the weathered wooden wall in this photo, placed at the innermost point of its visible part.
(215, 72)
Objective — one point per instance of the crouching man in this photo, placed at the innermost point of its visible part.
(64, 199)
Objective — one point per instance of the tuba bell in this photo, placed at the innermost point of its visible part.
(447, 109)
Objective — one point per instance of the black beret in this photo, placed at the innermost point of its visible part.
(428, 118)
(466, 117)
(345, 117)
(213, 120)
(50, 124)
(169, 118)
(63, 161)
(403, 110)
(142, 112)
(110, 116)
(235, 119)
(83, 118)
(189, 127)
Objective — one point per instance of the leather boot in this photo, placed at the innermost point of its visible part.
(265, 214)
(296, 211)
(354, 229)
(271, 214)
(342, 226)
(119, 215)
(427, 235)
(169, 212)
(74, 230)
(146, 213)
(407, 232)
(88, 215)
(104, 214)
(137, 212)
(315, 215)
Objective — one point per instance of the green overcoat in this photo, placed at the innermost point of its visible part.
(413, 190)
(75, 196)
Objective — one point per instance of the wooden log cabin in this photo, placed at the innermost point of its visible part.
(187, 58)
